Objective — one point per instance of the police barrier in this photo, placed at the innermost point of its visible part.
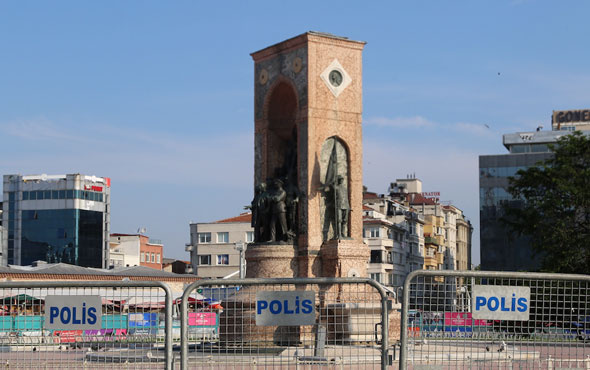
(479, 319)
(321, 322)
(80, 324)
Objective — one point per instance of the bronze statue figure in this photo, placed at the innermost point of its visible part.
(278, 219)
(337, 208)
(259, 208)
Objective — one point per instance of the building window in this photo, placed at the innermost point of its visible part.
(205, 259)
(153, 257)
(158, 258)
(372, 232)
(249, 236)
(376, 257)
(223, 237)
(142, 259)
(204, 237)
(223, 259)
(376, 277)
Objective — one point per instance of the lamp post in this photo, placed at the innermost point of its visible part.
(241, 247)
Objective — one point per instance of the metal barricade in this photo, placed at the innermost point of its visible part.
(495, 320)
(81, 324)
(290, 323)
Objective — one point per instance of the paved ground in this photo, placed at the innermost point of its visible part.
(434, 354)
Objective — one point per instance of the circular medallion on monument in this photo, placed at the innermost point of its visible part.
(297, 65)
(263, 77)
(335, 78)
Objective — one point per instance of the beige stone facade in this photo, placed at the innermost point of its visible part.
(394, 234)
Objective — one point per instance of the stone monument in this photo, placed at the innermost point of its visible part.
(307, 204)
(307, 208)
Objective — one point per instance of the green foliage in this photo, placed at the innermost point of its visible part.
(554, 211)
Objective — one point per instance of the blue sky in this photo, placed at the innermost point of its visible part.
(159, 95)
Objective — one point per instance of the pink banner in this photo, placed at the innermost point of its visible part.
(202, 318)
(462, 319)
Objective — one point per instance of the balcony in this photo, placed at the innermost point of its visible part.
(430, 240)
(430, 261)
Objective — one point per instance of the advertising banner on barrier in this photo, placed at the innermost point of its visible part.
(202, 318)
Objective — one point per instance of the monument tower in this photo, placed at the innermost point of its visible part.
(307, 208)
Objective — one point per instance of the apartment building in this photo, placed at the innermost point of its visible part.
(394, 234)
(214, 246)
(135, 250)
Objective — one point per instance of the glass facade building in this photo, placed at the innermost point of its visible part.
(501, 250)
(57, 219)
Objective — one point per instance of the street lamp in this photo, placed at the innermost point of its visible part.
(241, 247)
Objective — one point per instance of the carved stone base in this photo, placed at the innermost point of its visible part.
(237, 325)
(271, 261)
(350, 323)
(344, 258)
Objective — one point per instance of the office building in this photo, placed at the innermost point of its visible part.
(501, 250)
(56, 218)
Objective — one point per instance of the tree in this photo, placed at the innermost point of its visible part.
(554, 206)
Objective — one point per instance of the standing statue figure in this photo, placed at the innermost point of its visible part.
(338, 207)
(278, 219)
(260, 214)
(292, 203)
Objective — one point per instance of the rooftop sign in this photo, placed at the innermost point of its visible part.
(569, 116)
(434, 195)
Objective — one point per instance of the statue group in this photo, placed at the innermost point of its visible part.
(276, 201)
(274, 211)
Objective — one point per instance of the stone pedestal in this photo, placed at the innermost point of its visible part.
(238, 320)
(352, 323)
(270, 260)
(395, 323)
(344, 258)
(237, 325)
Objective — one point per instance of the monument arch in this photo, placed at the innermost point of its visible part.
(280, 115)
